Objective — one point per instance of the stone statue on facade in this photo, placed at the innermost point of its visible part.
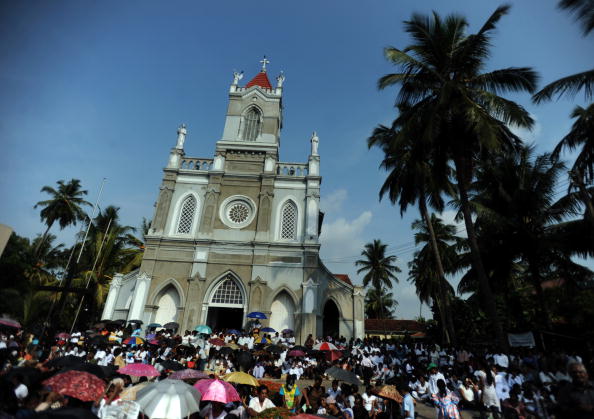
(315, 141)
(181, 137)
(280, 80)
(237, 75)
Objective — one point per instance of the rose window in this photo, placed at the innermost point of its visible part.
(239, 213)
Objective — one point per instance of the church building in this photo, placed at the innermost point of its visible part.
(239, 233)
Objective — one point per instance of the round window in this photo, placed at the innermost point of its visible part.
(237, 211)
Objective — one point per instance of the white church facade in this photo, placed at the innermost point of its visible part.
(239, 233)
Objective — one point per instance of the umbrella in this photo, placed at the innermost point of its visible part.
(153, 342)
(296, 352)
(130, 393)
(343, 375)
(98, 370)
(134, 340)
(256, 315)
(388, 392)
(63, 335)
(10, 322)
(239, 377)
(98, 340)
(66, 413)
(139, 370)
(217, 391)
(287, 331)
(169, 399)
(225, 350)
(136, 321)
(262, 339)
(300, 348)
(333, 355)
(78, 384)
(217, 342)
(30, 374)
(232, 345)
(275, 349)
(188, 374)
(325, 346)
(64, 362)
(234, 332)
(168, 364)
(151, 336)
(151, 325)
(268, 330)
(171, 325)
(99, 325)
(203, 329)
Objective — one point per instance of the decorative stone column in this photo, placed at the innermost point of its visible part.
(143, 283)
(175, 157)
(112, 297)
(358, 312)
(309, 309)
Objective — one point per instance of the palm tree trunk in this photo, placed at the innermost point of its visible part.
(43, 238)
(476, 260)
(441, 304)
(379, 294)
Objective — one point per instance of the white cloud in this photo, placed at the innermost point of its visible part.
(342, 238)
(332, 203)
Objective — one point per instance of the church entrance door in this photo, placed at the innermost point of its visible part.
(330, 324)
(226, 306)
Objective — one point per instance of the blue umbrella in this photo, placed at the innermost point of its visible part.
(256, 315)
(234, 332)
(268, 330)
(203, 329)
(154, 325)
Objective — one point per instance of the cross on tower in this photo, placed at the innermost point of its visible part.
(264, 62)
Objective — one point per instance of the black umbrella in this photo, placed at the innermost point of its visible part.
(30, 375)
(171, 325)
(100, 371)
(65, 362)
(98, 340)
(343, 375)
(300, 348)
(275, 349)
(225, 350)
(168, 364)
(135, 321)
(66, 413)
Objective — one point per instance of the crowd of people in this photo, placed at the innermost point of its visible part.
(520, 383)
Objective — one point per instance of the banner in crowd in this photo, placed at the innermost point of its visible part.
(521, 339)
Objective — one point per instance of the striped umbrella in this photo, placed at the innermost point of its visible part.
(134, 340)
(325, 346)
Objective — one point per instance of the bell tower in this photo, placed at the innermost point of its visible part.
(254, 115)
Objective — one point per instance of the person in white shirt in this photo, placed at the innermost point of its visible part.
(334, 391)
(260, 403)
(369, 399)
(258, 371)
(433, 378)
(100, 354)
(420, 389)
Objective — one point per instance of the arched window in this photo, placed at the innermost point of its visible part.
(251, 129)
(228, 293)
(186, 215)
(289, 221)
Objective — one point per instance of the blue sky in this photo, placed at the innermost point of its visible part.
(97, 89)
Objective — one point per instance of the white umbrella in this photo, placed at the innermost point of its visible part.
(169, 399)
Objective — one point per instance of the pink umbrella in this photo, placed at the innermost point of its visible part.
(188, 374)
(217, 391)
(63, 335)
(10, 322)
(139, 370)
(296, 352)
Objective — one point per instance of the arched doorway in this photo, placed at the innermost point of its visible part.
(330, 323)
(167, 302)
(282, 312)
(225, 307)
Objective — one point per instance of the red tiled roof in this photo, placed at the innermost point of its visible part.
(393, 325)
(261, 80)
(343, 278)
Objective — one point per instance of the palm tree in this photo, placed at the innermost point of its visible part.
(64, 206)
(584, 11)
(379, 268)
(465, 118)
(515, 200)
(376, 301)
(415, 177)
(431, 283)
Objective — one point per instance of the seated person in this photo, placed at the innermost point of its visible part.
(260, 403)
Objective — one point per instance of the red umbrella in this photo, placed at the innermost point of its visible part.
(63, 335)
(217, 342)
(217, 391)
(296, 352)
(78, 384)
(325, 346)
(333, 355)
(139, 370)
